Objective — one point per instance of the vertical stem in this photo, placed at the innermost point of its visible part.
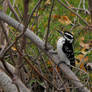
(48, 29)
(90, 8)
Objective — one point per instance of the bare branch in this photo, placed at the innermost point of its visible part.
(31, 66)
(6, 83)
(48, 29)
(36, 6)
(73, 12)
(5, 31)
(13, 10)
(80, 9)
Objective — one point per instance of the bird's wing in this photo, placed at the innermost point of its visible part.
(68, 50)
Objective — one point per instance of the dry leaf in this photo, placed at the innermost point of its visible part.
(56, 16)
(36, 14)
(88, 19)
(50, 69)
(45, 24)
(13, 48)
(49, 63)
(82, 67)
(85, 59)
(33, 28)
(84, 51)
(72, 14)
(48, 2)
(58, 69)
(64, 20)
(81, 57)
(82, 38)
(84, 45)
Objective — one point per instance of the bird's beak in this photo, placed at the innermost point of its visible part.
(60, 32)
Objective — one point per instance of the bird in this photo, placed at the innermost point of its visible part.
(65, 48)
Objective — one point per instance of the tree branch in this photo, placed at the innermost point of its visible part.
(6, 83)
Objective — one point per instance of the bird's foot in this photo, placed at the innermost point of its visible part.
(62, 62)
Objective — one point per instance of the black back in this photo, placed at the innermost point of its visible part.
(68, 50)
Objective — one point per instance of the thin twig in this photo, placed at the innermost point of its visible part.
(36, 6)
(11, 56)
(20, 71)
(57, 74)
(19, 12)
(2, 54)
(43, 61)
(12, 6)
(35, 69)
(84, 4)
(80, 9)
(48, 29)
(45, 82)
(77, 12)
(79, 5)
(90, 9)
(7, 39)
(73, 12)
(13, 10)
(68, 3)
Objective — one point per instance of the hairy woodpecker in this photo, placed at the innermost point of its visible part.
(65, 48)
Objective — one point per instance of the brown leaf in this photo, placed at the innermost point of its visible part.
(48, 2)
(84, 51)
(72, 14)
(82, 67)
(88, 19)
(81, 57)
(64, 20)
(49, 63)
(33, 27)
(56, 16)
(13, 48)
(84, 45)
(82, 38)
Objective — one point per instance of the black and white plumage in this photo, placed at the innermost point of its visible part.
(65, 48)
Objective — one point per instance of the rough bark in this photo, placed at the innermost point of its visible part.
(40, 44)
(6, 82)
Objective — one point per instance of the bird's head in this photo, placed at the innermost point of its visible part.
(68, 36)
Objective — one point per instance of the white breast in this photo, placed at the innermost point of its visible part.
(61, 55)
